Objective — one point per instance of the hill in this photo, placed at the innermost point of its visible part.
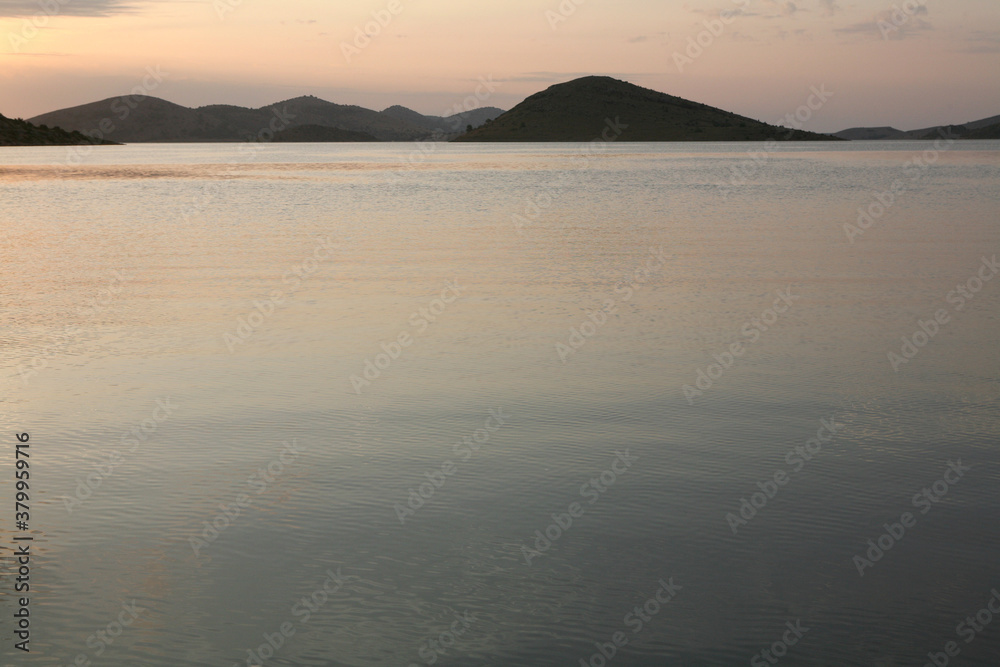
(319, 134)
(977, 129)
(139, 118)
(579, 110)
(988, 132)
(450, 126)
(17, 132)
(871, 134)
(311, 110)
(143, 119)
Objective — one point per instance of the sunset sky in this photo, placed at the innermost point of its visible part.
(938, 63)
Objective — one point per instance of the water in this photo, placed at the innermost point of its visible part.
(219, 301)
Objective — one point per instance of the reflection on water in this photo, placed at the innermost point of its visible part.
(340, 405)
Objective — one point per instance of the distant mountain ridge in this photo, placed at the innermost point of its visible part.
(143, 119)
(17, 132)
(581, 110)
(453, 125)
(987, 128)
(577, 110)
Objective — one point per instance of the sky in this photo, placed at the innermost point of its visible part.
(909, 64)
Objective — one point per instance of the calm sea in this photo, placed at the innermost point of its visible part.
(370, 405)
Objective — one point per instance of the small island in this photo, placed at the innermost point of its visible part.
(581, 110)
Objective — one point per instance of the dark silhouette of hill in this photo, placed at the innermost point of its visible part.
(987, 132)
(977, 129)
(451, 126)
(17, 132)
(580, 110)
(143, 119)
(319, 134)
(871, 134)
(311, 110)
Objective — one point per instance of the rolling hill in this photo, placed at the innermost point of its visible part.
(452, 126)
(871, 134)
(977, 129)
(143, 119)
(580, 110)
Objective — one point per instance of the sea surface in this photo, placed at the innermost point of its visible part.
(550, 404)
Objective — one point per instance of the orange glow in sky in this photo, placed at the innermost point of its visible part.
(920, 64)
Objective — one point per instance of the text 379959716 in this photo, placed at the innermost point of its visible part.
(22, 546)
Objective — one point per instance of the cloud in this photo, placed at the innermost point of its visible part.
(981, 41)
(829, 7)
(28, 8)
(859, 28)
(716, 13)
(785, 34)
(638, 39)
(782, 7)
(893, 24)
(772, 9)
